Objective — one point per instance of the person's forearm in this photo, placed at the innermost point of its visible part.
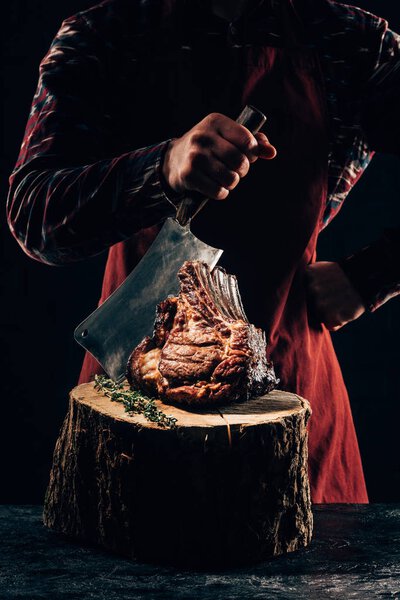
(68, 214)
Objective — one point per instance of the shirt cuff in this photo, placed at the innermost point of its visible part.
(374, 271)
(170, 194)
(146, 197)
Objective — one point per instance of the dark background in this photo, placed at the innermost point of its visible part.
(41, 305)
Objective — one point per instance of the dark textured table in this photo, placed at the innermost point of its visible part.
(355, 554)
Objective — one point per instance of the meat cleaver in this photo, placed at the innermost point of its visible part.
(112, 331)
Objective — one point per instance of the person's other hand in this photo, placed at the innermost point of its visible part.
(332, 298)
(213, 156)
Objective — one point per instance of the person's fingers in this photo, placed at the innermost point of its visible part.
(215, 170)
(201, 182)
(230, 156)
(253, 146)
(213, 156)
(220, 173)
(331, 296)
(236, 134)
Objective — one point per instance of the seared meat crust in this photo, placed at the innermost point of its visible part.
(203, 349)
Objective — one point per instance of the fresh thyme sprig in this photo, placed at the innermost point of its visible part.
(133, 401)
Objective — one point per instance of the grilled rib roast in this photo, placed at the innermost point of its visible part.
(203, 349)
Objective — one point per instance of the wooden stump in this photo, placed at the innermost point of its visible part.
(227, 486)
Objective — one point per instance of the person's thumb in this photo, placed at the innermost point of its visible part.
(265, 149)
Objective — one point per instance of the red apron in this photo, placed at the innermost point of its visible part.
(268, 229)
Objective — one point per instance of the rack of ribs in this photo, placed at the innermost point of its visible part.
(203, 350)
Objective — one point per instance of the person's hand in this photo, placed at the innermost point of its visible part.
(213, 156)
(332, 298)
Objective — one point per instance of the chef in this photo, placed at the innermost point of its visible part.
(136, 106)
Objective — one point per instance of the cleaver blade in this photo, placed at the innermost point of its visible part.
(117, 326)
(113, 330)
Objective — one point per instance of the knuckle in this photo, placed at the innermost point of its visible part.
(213, 118)
(200, 139)
(248, 140)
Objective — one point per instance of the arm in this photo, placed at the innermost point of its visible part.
(375, 269)
(341, 292)
(68, 199)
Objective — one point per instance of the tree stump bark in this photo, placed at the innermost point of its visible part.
(227, 486)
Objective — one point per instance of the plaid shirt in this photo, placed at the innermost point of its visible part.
(78, 187)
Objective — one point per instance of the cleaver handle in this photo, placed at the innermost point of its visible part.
(250, 117)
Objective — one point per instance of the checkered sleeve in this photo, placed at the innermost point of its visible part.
(66, 201)
(375, 270)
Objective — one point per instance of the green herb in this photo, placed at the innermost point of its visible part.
(133, 401)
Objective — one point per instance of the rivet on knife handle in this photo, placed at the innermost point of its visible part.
(250, 117)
